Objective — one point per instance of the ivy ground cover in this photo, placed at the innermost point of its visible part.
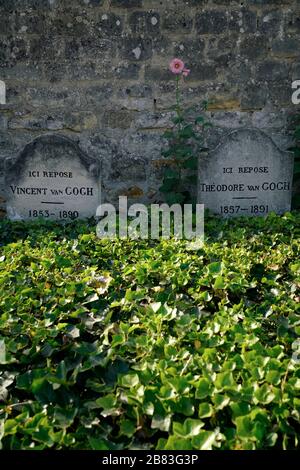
(123, 344)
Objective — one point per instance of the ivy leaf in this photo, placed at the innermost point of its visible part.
(162, 423)
(205, 410)
(174, 198)
(169, 134)
(199, 120)
(127, 428)
(203, 388)
(175, 443)
(187, 132)
(205, 440)
(191, 163)
(109, 405)
(215, 267)
(225, 381)
(169, 184)
(178, 120)
(170, 173)
(219, 283)
(190, 427)
(264, 394)
(129, 380)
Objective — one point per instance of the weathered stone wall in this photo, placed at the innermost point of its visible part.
(97, 72)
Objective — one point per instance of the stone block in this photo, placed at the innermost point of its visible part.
(118, 119)
(202, 72)
(223, 103)
(126, 3)
(177, 22)
(126, 167)
(137, 49)
(158, 74)
(280, 93)
(254, 97)
(270, 22)
(109, 25)
(190, 49)
(144, 23)
(286, 47)
(211, 22)
(272, 71)
(252, 47)
(243, 21)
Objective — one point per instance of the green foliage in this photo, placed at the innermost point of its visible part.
(296, 150)
(185, 144)
(148, 344)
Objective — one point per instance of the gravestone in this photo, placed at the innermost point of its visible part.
(247, 174)
(53, 179)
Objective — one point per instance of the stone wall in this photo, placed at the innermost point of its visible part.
(97, 72)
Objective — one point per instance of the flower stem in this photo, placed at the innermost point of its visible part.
(177, 97)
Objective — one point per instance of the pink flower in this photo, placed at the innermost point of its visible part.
(176, 66)
(186, 72)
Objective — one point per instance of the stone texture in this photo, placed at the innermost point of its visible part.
(190, 49)
(253, 47)
(110, 25)
(136, 49)
(272, 70)
(243, 21)
(118, 119)
(270, 22)
(127, 168)
(286, 47)
(126, 3)
(142, 22)
(175, 21)
(255, 97)
(211, 22)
